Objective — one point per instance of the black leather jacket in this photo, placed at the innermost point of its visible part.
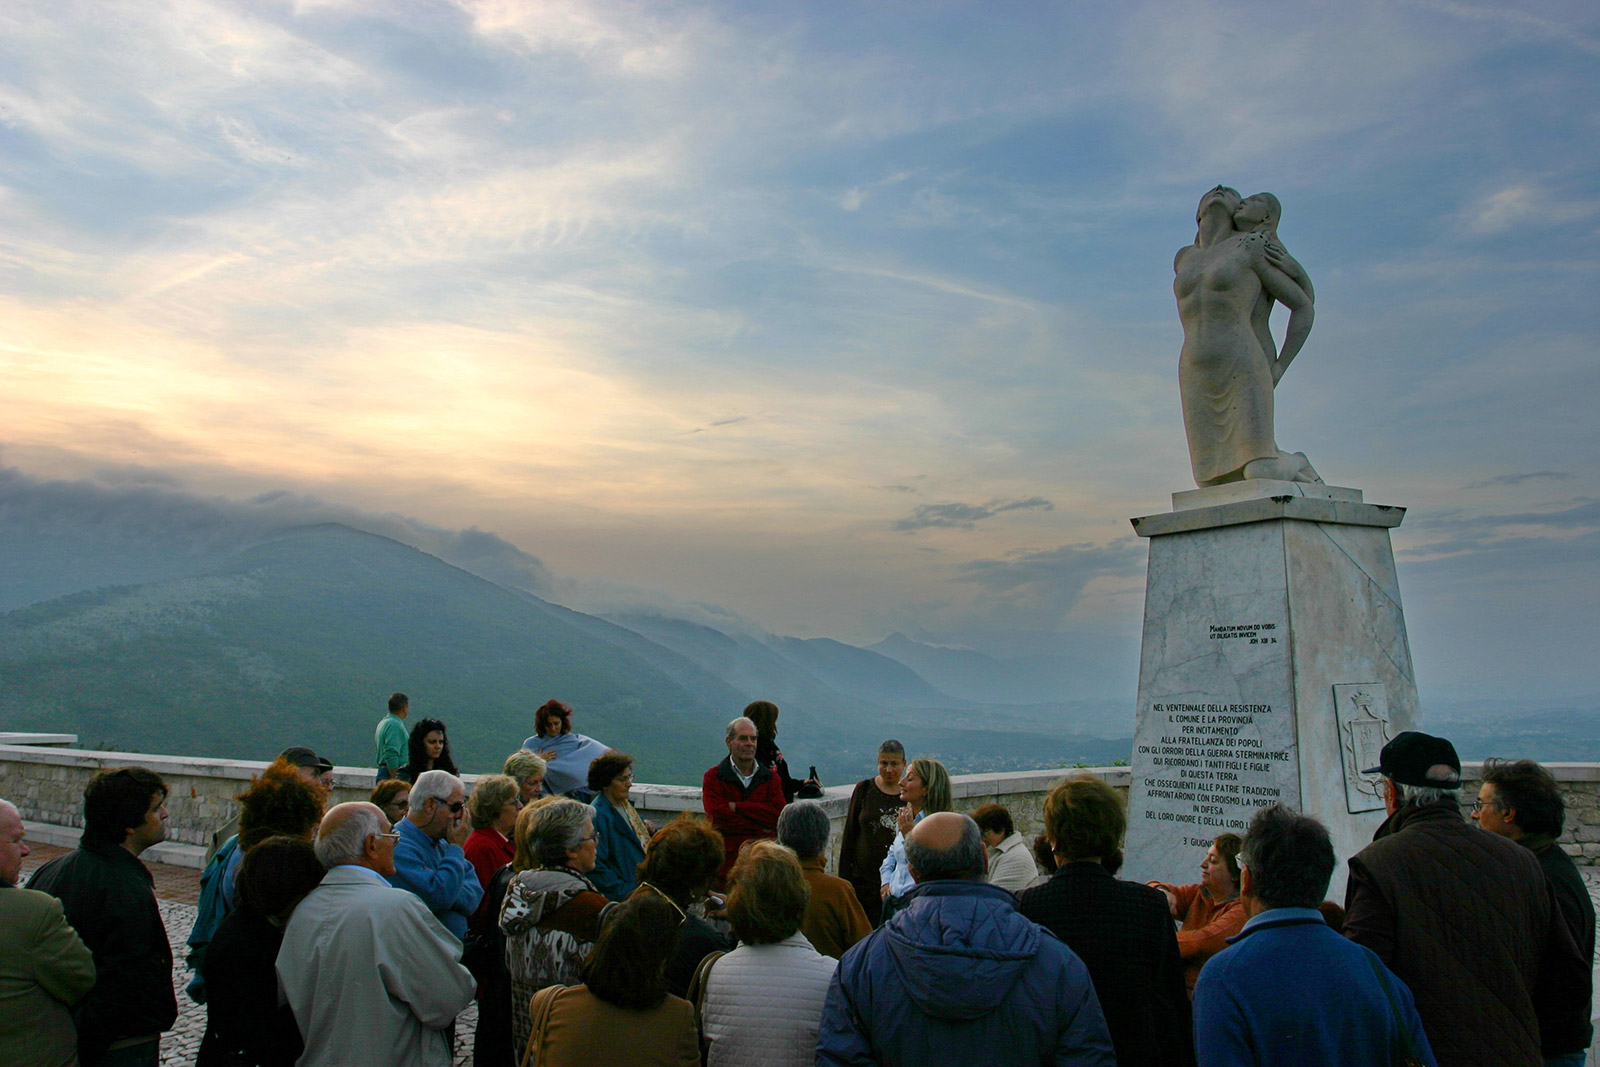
(109, 898)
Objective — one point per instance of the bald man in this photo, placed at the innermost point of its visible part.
(372, 977)
(45, 968)
(958, 976)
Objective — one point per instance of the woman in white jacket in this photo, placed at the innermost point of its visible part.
(1011, 863)
(762, 1002)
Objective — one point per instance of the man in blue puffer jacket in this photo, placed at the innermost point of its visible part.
(959, 977)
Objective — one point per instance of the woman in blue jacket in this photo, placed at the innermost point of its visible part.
(622, 834)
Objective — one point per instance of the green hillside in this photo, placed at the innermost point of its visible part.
(300, 639)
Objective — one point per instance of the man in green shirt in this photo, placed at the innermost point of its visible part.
(392, 738)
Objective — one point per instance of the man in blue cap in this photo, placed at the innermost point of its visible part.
(1465, 919)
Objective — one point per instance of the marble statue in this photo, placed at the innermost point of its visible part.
(1227, 283)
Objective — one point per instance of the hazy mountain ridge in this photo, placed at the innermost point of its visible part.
(980, 678)
(297, 638)
(323, 624)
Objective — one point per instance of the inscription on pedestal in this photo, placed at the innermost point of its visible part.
(1212, 765)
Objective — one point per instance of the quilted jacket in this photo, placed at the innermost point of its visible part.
(1467, 921)
(762, 1005)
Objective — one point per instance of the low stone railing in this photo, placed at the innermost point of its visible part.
(44, 777)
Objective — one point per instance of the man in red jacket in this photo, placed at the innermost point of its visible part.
(742, 799)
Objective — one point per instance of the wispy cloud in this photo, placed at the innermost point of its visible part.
(1042, 587)
(965, 516)
(1510, 16)
(1518, 479)
(1524, 205)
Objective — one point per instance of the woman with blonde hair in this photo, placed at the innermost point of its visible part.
(925, 789)
(742, 1022)
(527, 767)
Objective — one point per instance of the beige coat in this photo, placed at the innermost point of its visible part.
(45, 968)
(834, 918)
(585, 1030)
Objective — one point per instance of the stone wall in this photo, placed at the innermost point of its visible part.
(46, 780)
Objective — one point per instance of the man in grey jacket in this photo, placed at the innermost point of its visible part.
(373, 978)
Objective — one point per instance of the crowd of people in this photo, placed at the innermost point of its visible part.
(357, 933)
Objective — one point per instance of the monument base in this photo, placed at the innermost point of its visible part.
(1274, 667)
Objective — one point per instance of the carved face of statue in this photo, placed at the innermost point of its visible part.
(1229, 198)
(1254, 210)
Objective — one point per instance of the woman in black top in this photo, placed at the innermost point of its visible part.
(1122, 931)
(869, 827)
(764, 713)
(245, 1024)
(680, 865)
(429, 749)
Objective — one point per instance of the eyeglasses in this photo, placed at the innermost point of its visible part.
(1479, 805)
(392, 835)
(455, 809)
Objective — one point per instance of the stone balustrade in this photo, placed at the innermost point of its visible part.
(44, 777)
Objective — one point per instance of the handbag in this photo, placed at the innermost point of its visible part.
(539, 1018)
(697, 997)
(1409, 1056)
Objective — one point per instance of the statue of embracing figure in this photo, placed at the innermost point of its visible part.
(1227, 283)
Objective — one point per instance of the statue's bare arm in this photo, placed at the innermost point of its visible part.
(1279, 257)
(1301, 313)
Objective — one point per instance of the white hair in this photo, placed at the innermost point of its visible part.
(347, 842)
(733, 727)
(433, 785)
(1423, 796)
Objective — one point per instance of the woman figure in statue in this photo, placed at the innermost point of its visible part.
(1226, 284)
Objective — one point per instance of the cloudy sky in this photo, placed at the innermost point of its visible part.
(844, 318)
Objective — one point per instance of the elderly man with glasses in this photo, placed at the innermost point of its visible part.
(371, 975)
(429, 859)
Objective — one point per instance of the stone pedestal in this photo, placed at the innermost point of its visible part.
(1274, 667)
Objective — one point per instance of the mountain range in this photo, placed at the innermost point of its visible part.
(297, 637)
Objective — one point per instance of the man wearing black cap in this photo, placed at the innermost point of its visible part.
(313, 768)
(1465, 919)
